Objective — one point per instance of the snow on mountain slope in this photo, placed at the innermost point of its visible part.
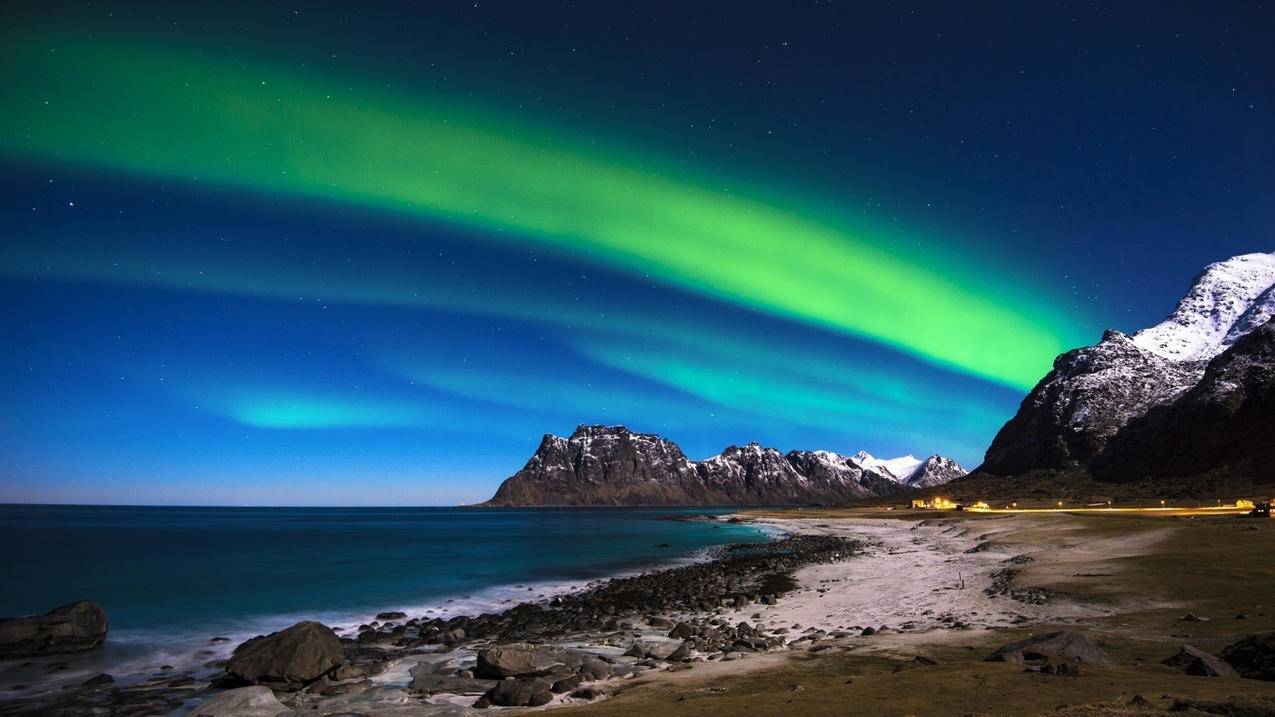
(1208, 319)
(1257, 315)
(912, 471)
(1094, 392)
(900, 469)
(752, 462)
(934, 471)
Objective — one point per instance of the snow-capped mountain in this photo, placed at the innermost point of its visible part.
(1088, 397)
(1226, 301)
(911, 471)
(755, 470)
(1092, 394)
(833, 469)
(934, 471)
(611, 465)
(897, 468)
(605, 465)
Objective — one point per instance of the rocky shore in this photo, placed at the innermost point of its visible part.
(574, 648)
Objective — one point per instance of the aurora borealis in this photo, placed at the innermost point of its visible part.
(236, 265)
(274, 132)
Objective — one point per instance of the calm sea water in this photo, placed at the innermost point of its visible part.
(169, 578)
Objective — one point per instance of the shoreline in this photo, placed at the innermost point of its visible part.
(141, 658)
(912, 585)
(134, 652)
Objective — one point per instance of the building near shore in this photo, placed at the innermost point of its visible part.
(933, 504)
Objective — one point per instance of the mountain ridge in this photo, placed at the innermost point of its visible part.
(612, 465)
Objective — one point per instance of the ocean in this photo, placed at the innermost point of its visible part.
(172, 578)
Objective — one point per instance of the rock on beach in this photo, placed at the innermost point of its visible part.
(300, 654)
(76, 627)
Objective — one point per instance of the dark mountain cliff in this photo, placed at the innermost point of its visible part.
(611, 465)
(1191, 396)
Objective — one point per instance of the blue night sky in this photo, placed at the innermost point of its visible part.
(327, 254)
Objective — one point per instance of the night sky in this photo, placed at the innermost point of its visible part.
(325, 254)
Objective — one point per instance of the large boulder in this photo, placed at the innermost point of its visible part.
(1066, 645)
(358, 669)
(1195, 661)
(519, 693)
(1253, 656)
(592, 668)
(682, 631)
(523, 661)
(299, 654)
(426, 681)
(76, 627)
(658, 649)
(242, 702)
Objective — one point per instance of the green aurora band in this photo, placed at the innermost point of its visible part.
(155, 111)
(696, 354)
(271, 410)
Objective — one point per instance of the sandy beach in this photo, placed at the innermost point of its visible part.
(940, 573)
(1140, 587)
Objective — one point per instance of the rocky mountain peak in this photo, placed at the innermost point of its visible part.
(1223, 425)
(603, 440)
(750, 451)
(597, 432)
(1115, 336)
(934, 471)
(1094, 393)
(898, 469)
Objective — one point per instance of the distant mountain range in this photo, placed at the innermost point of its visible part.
(611, 465)
(1192, 396)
